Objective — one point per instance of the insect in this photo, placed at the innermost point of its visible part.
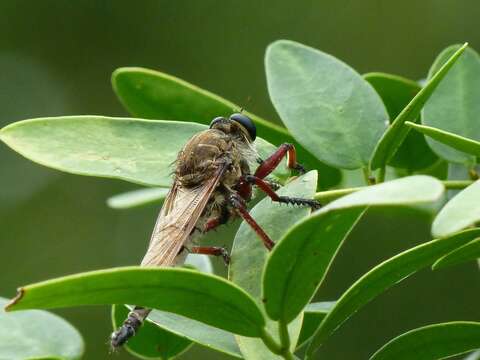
(212, 184)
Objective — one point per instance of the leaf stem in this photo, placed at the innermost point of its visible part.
(457, 184)
(284, 336)
(330, 195)
(366, 175)
(274, 346)
(381, 174)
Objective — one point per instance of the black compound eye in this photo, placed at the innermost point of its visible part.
(247, 123)
(216, 120)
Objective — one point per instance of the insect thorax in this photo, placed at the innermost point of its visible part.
(205, 152)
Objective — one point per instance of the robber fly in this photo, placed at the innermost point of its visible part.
(212, 184)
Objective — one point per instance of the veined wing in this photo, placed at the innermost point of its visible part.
(180, 212)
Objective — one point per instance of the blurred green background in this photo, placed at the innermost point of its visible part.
(56, 58)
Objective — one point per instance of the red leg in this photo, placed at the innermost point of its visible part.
(268, 165)
(244, 189)
(239, 205)
(267, 189)
(215, 222)
(212, 250)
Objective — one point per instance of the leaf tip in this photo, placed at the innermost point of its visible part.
(15, 300)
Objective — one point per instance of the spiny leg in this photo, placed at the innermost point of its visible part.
(267, 189)
(269, 164)
(239, 205)
(212, 250)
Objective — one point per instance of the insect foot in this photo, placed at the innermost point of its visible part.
(314, 204)
(225, 256)
(300, 169)
(125, 332)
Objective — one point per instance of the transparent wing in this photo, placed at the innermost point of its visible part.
(180, 212)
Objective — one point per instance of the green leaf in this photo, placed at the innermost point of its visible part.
(459, 213)
(199, 262)
(166, 335)
(313, 315)
(467, 252)
(37, 334)
(140, 151)
(460, 143)
(249, 254)
(197, 332)
(454, 107)
(326, 105)
(432, 342)
(154, 95)
(397, 132)
(396, 92)
(473, 356)
(152, 342)
(137, 198)
(299, 262)
(382, 277)
(206, 298)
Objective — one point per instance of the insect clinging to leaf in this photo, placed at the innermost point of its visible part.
(212, 184)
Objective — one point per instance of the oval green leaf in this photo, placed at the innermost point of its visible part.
(140, 151)
(37, 334)
(460, 143)
(152, 342)
(197, 332)
(397, 132)
(459, 213)
(325, 104)
(137, 198)
(205, 298)
(249, 255)
(432, 342)
(467, 252)
(301, 259)
(454, 107)
(171, 333)
(155, 95)
(396, 92)
(382, 277)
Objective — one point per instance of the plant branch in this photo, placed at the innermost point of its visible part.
(274, 346)
(330, 195)
(284, 336)
(381, 174)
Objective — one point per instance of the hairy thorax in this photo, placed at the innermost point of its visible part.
(203, 155)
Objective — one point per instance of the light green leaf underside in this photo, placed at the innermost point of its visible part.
(340, 125)
(37, 334)
(137, 198)
(155, 95)
(454, 107)
(397, 132)
(459, 213)
(140, 151)
(460, 143)
(396, 92)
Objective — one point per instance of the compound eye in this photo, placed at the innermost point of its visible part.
(247, 123)
(216, 120)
